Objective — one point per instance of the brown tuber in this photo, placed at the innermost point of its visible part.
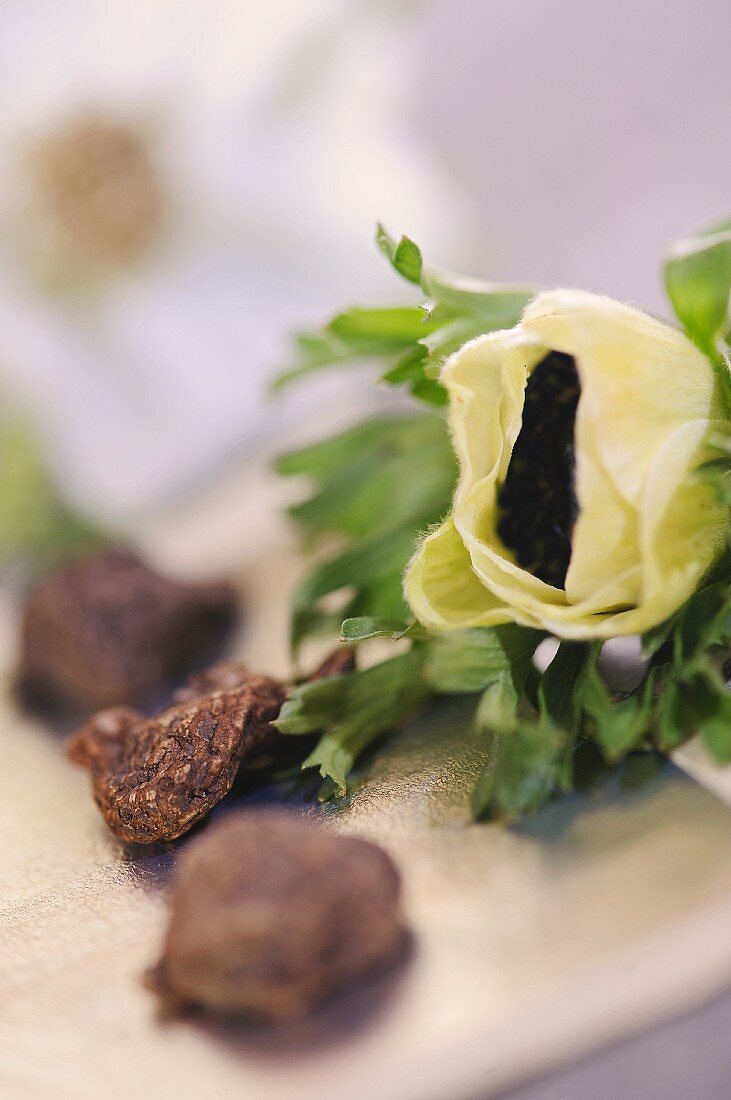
(104, 630)
(271, 914)
(154, 778)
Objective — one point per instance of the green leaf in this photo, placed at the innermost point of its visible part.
(314, 621)
(527, 757)
(450, 337)
(313, 352)
(352, 710)
(410, 341)
(366, 627)
(698, 282)
(497, 711)
(547, 743)
(618, 726)
(696, 701)
(655, 638)
(410, 368)
(716, 472)
(522, 772)
(373, 492)
(675, 720)
(406, 462)
(703, 621)
(559, 694)
(385, 328)
(466, 661)
(405, 256)
(430, 391)
(383, 599)
(378, 484)
(319, 460)
(325, 349)
(499, 305)
(365, 563)
(713, 704)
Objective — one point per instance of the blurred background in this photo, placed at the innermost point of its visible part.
(182, 184)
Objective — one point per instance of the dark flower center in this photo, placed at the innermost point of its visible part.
(537, 501)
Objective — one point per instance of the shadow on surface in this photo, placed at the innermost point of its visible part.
(597, 784)
(152, 867)
(340, 1018)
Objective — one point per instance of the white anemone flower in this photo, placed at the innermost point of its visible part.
(578, 508)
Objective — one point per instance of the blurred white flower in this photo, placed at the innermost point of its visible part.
(182, 185)
(88, 202)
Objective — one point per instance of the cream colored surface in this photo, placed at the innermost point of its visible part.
(605, 911)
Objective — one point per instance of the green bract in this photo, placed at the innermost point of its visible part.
(647, 526)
